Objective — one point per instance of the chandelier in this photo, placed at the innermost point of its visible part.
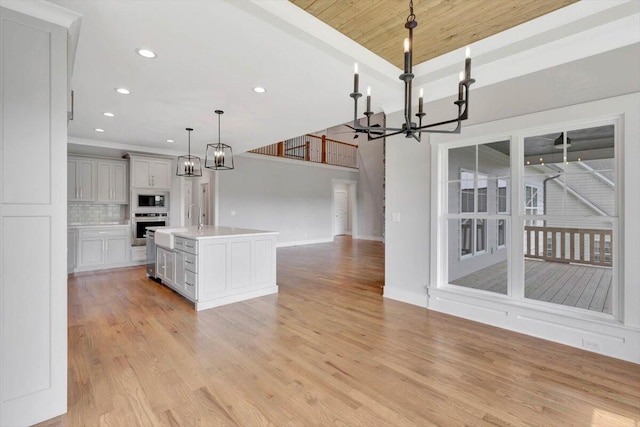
(189, 166)
(412, 129)
(219, 156)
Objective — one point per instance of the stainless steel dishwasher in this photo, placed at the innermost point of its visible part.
(151, 254)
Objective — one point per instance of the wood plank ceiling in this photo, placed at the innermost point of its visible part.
(443, 25)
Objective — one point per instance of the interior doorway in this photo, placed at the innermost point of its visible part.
(344, 207)
(340, 212)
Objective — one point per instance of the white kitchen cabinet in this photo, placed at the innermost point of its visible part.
(186, 273)
(165, 266)
(112, 182)
(72, 249)
(33, 279)
(151, 172)
(103, 247)
(82, 179)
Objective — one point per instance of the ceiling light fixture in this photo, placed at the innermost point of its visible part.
(170, 140)
(411, 129)
(189, 166)
(123, 91)
(98, 130)
(259, 89)
(146, 53)
(219, 156)
(108, 114)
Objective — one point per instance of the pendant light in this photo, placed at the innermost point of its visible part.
(189, 166)
(219, 156)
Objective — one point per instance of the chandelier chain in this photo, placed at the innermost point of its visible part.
(412, 16)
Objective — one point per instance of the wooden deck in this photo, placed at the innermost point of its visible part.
(573, 285)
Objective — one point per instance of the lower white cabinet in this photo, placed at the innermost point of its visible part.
(103, 247)
(186, 274)
(165, 266)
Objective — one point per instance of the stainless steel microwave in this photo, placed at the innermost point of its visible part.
(150, 201)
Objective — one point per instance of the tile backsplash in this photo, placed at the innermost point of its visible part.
(82, 213)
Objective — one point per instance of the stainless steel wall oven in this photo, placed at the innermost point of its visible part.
(142, 220)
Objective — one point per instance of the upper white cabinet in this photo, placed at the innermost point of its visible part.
(81, 180)
(112, 182)
(151, 172)
(92, 179)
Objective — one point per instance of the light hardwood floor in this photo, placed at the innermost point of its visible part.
(327, 350)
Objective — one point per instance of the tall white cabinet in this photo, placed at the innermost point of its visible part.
(33, 202)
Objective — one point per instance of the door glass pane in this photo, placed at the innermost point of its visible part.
(466, 236)
(482, 193)
(486, 272)
(481, 235)
(502, 196)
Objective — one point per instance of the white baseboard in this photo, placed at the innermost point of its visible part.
(108, 266)
(403, 295)
(375, 238)
(303, 242)
(236, 298)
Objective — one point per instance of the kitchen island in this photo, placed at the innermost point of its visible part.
(214, 266)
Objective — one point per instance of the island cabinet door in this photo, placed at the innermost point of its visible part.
(212, 266)
(165, 266)
(179, 282)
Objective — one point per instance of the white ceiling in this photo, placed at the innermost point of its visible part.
(212, 53)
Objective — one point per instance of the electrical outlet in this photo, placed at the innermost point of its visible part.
(590, 345)
(395, 217)
(233, 213)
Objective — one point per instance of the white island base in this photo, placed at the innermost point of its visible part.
(217, 265)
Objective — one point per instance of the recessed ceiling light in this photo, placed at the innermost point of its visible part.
(99, 130)
(146, 53)
(108, 114)
(123, 91)
(259, 89)
(170, 140)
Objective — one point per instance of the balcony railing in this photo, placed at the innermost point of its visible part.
(312, 148)
(569, 245)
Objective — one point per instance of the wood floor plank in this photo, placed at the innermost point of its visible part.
(326, 350)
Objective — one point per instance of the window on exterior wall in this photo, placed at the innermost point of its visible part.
(475, 175)
(565, 226)
(570, 186)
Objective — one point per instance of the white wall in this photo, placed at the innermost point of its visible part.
(293, 199)
(407, 219)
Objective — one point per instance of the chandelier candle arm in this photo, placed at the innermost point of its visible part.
(406, 55)
(467, 63)
(356, 78)
(368, 99)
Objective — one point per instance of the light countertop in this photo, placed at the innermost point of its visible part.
(112, 225)
(211, 231)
